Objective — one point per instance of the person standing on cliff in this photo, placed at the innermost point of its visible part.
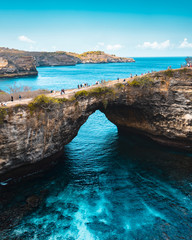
(12, 98)
(19, 97)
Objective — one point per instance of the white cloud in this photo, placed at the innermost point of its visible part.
(25, 39)
(100, 43)
(185, 44)
(155, 45)
(114, 47)
(99, 46)
(102, 46)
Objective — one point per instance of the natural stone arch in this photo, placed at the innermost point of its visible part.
(158, 106)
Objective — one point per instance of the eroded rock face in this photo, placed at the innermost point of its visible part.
(15, 66)
(158, 105)
(53, 59)
(40, 58)
(27, 137)
(162, 111)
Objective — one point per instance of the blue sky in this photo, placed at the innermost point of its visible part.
(124, 28)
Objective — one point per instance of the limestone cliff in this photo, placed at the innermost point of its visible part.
(15, 63)
(100, 57)
(15, 66)
(41, 58)
(34, 134)
(158, 105)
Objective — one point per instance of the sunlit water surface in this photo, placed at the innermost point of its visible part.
(107, 186)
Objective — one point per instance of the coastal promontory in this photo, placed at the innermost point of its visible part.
(16, 63)
(100, 57)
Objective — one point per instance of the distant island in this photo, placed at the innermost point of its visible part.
(17, 63)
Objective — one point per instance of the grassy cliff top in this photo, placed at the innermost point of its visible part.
(90, 56)
(100, 57)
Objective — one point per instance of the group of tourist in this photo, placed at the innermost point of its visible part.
(12, 98)
(83, 85)
(3, 104)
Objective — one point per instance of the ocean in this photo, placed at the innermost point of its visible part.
(106, 185)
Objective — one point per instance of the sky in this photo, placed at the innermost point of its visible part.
(124, 28)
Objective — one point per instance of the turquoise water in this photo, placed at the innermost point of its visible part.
(70, 76)
(107, 186)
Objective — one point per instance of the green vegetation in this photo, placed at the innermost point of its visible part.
(169, 73)
(44, 102)
(85, 54)
(183, 70)
(119, 85)
(95, 92)
(3, 113)
(141, 81)
(81, 93)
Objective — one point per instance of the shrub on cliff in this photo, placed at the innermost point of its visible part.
(101, 91)
(95, 92)
(183, 70)
(169, 73)
(81, 93)
(44, 102)
(119, 85)
(141, 81)
(3, 113)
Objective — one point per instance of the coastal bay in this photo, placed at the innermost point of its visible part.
(102, 173)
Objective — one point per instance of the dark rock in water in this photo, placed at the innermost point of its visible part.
(13, 215)
(33, 201)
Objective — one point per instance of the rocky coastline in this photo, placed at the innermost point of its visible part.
(17, 63)
(156, 105)
(14, 66)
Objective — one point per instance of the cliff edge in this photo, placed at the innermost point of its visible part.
(100, 57)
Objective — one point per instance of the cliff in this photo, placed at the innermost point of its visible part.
(100, 57)
(41, 58)
(15, 63)
(157, 105)
(15, 66)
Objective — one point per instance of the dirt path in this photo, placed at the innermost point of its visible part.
(68, 93)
